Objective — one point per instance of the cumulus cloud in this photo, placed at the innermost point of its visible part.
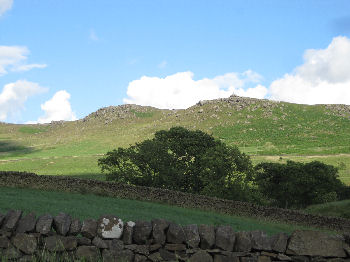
(180, 90)
(323, 78)
(14, 58)
(14, 95)
(57, 108)
(5, 5)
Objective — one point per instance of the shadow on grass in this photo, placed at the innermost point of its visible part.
(13, 149)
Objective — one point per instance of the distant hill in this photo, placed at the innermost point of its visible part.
(258, 127)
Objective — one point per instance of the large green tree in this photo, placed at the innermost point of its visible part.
(184, 160)
(297, 184)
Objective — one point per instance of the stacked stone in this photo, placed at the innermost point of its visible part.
(23, 238)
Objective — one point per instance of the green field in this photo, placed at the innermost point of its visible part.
(335, 209)
(92, 206)
(263, 129)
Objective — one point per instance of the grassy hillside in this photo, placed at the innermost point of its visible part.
(92, 206)
(335, 209)
(264, 129)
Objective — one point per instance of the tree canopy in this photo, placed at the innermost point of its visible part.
(184, 160)
(299, 184)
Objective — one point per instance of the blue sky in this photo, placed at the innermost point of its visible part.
(63, 59)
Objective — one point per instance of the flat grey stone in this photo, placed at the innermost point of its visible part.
(142, 232)
(243, 242)
(84, 241)
(158, 232)
(11, 220)
(61, 223)
(44, 224)
(279, 242)
(201, 256)
(207, 235)
(192, 235)
(89, 228)
(225, 238)
(175, 234)
(75, 227)
(167, 255)
(260, 241)
(26, 243)
(128, 232)
(4, 242)
(27, 223)
(315, 243)
(99, 242)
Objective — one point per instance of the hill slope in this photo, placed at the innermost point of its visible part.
(262, 128)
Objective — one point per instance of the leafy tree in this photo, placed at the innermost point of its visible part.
(184, 160)
(297, 184)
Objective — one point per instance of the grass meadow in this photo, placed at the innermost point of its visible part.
(85, 206)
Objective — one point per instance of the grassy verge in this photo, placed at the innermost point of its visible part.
(335, 209)
(77, 166)
(92, 206)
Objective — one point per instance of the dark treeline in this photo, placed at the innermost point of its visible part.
(196, 162)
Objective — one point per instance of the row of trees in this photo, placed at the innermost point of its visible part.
(196, 162)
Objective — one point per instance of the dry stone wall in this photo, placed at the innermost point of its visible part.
(28, 180)
(109, 238)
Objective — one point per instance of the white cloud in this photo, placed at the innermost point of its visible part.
(57, 108)
(13, 58)
(180, 90)
(324, 78)
(14, 96)
(5, 5)
(259, 91)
